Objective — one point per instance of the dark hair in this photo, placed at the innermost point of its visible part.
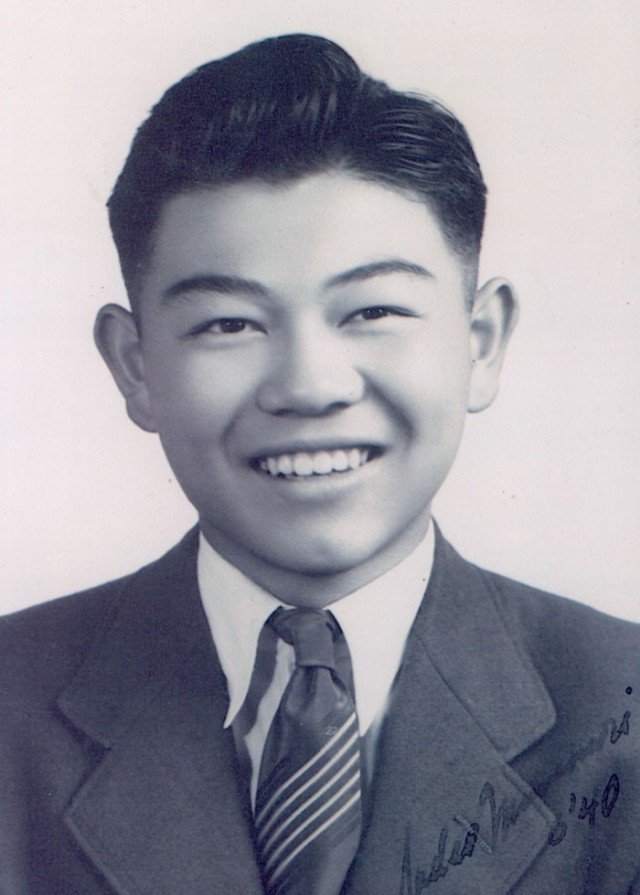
(283, 108)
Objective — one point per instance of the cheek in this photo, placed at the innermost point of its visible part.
(199, 395)
(428, 385)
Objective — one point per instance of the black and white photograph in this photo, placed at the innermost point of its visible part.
(320, 493)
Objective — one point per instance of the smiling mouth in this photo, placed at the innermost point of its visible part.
(306, 464)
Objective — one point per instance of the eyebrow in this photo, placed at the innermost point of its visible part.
(231, 285)
(378, 268)
(221, 283)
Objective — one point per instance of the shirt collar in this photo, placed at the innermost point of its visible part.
(375, 619)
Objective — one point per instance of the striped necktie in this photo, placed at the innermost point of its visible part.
(308, 811)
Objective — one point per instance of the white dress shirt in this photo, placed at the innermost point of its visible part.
(375, 620)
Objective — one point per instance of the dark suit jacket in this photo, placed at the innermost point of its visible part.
(509, 760)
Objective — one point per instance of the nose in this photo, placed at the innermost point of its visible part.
(312, 373)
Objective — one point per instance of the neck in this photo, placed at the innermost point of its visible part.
(312, 590)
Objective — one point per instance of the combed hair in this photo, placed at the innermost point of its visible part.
(284, 108)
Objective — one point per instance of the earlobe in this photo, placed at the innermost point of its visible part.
(118, 340)
(493, 318)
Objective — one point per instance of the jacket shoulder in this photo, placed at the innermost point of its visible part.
(573, 646)
(549, 613)
(43, 646)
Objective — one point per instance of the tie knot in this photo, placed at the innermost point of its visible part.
(310, 632)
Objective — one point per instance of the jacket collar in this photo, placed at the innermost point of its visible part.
(466, 702)
(164, 811)
(462, 629)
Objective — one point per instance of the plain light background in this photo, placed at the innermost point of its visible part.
(547, 484)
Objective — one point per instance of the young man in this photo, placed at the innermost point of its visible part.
(314, 693)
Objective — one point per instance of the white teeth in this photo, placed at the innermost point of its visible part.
(355, 458)
(339, 461)
(322, 463)
(304, 464)
(285, 464)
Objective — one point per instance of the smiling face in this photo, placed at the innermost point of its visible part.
(305, 355)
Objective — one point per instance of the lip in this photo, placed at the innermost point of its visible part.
(314, 488)
(371, 451)
(272, 468)
(311, 447)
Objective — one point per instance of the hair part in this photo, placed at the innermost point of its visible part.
(282, 109)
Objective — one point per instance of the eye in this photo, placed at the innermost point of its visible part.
(374, 313)
(378, 312)
(227, 326)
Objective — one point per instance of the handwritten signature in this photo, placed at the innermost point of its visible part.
(505, 815)
(588, 809)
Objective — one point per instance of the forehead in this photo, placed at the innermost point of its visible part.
(297, 233)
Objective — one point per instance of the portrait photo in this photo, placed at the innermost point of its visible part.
(320, 499)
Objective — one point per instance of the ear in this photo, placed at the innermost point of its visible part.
(118, 339)
(493, 318)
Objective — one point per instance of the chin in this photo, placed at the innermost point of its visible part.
(322, 563)
(324, 558)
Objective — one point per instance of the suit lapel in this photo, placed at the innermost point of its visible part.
(465, 702)
(163, 811)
